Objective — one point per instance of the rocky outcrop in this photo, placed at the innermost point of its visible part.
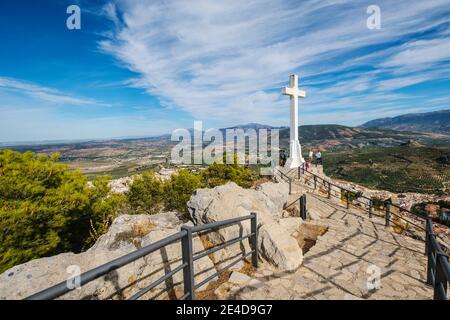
(229, 201)
(131, 232)
(127, 233)
(279, 248)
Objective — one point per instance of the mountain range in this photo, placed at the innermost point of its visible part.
(436, 121)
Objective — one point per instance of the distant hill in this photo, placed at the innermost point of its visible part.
(436, 121)
(255, 126)
(332, 136)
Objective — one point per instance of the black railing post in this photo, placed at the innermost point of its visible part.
(315, 182)
(347, 194)
(298, 173)
(303, 206)
(388, 214)
(427, 243)
(370, 208)
(429, 250)
(440, 279)
(254, 239)
(329, 190)
(290, 185)
(187, 255)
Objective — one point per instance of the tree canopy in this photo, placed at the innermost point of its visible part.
(45, 208)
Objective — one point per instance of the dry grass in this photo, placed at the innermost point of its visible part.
(141, 230)
(208, 293)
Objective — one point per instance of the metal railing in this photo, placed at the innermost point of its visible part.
(187, 263)
(301, 200)
(351, 197)
(438, 265)
(438, 268)
(286, 178)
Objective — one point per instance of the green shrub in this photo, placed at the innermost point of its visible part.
(146, 194)
(179, 189)
(220, 173)
(45, 208)
(103, 208)
(351, 195)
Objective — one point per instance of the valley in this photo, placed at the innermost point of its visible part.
(398, 161)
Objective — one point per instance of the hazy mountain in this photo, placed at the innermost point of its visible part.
(436, 121)
(255, 126)
(333, 136)
(326, 137)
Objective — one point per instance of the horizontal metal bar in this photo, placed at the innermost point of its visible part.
(432, 260)
(218, 224)
(62, 288)
(223, 245)
(435, 244)
(441, 293)
(184, 296)
(443, 261)
(139, 294)
(432, 275)
(218, 273)
(416, 225)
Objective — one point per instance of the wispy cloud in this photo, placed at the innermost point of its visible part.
(226, 59)
(44, 93)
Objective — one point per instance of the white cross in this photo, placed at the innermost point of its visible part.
(293, 90)
(295, 156)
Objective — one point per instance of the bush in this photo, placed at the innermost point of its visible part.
(220, 173)
(45, 208)
(179, 189)
(103, 208)
(146, 194)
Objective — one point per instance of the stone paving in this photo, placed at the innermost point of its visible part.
(342, 262)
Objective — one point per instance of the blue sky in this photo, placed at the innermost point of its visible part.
(139, 68)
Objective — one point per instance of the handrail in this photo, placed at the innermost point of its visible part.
(438, 267)
(185, 235)
(62, 287)
(370, 206)
(365, 197)
(283, 176)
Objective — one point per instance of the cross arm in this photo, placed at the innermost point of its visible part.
(293, 92)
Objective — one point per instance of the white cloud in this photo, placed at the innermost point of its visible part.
(420, 53)
(43, 93)
(220, 59)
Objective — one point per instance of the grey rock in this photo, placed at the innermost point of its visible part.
(239, 278)
(230, 201)
(127, 234)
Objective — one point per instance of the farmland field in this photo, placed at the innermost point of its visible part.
(397, 169)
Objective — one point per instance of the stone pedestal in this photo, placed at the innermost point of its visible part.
(295, 159)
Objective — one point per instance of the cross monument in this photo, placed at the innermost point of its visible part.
(295, 150)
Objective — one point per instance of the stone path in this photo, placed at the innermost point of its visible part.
(342, 261)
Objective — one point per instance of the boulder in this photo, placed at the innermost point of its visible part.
(230, 201)
(291, 224)
(239, 278)
(127, 234)
(278, 193)
(279, 248)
